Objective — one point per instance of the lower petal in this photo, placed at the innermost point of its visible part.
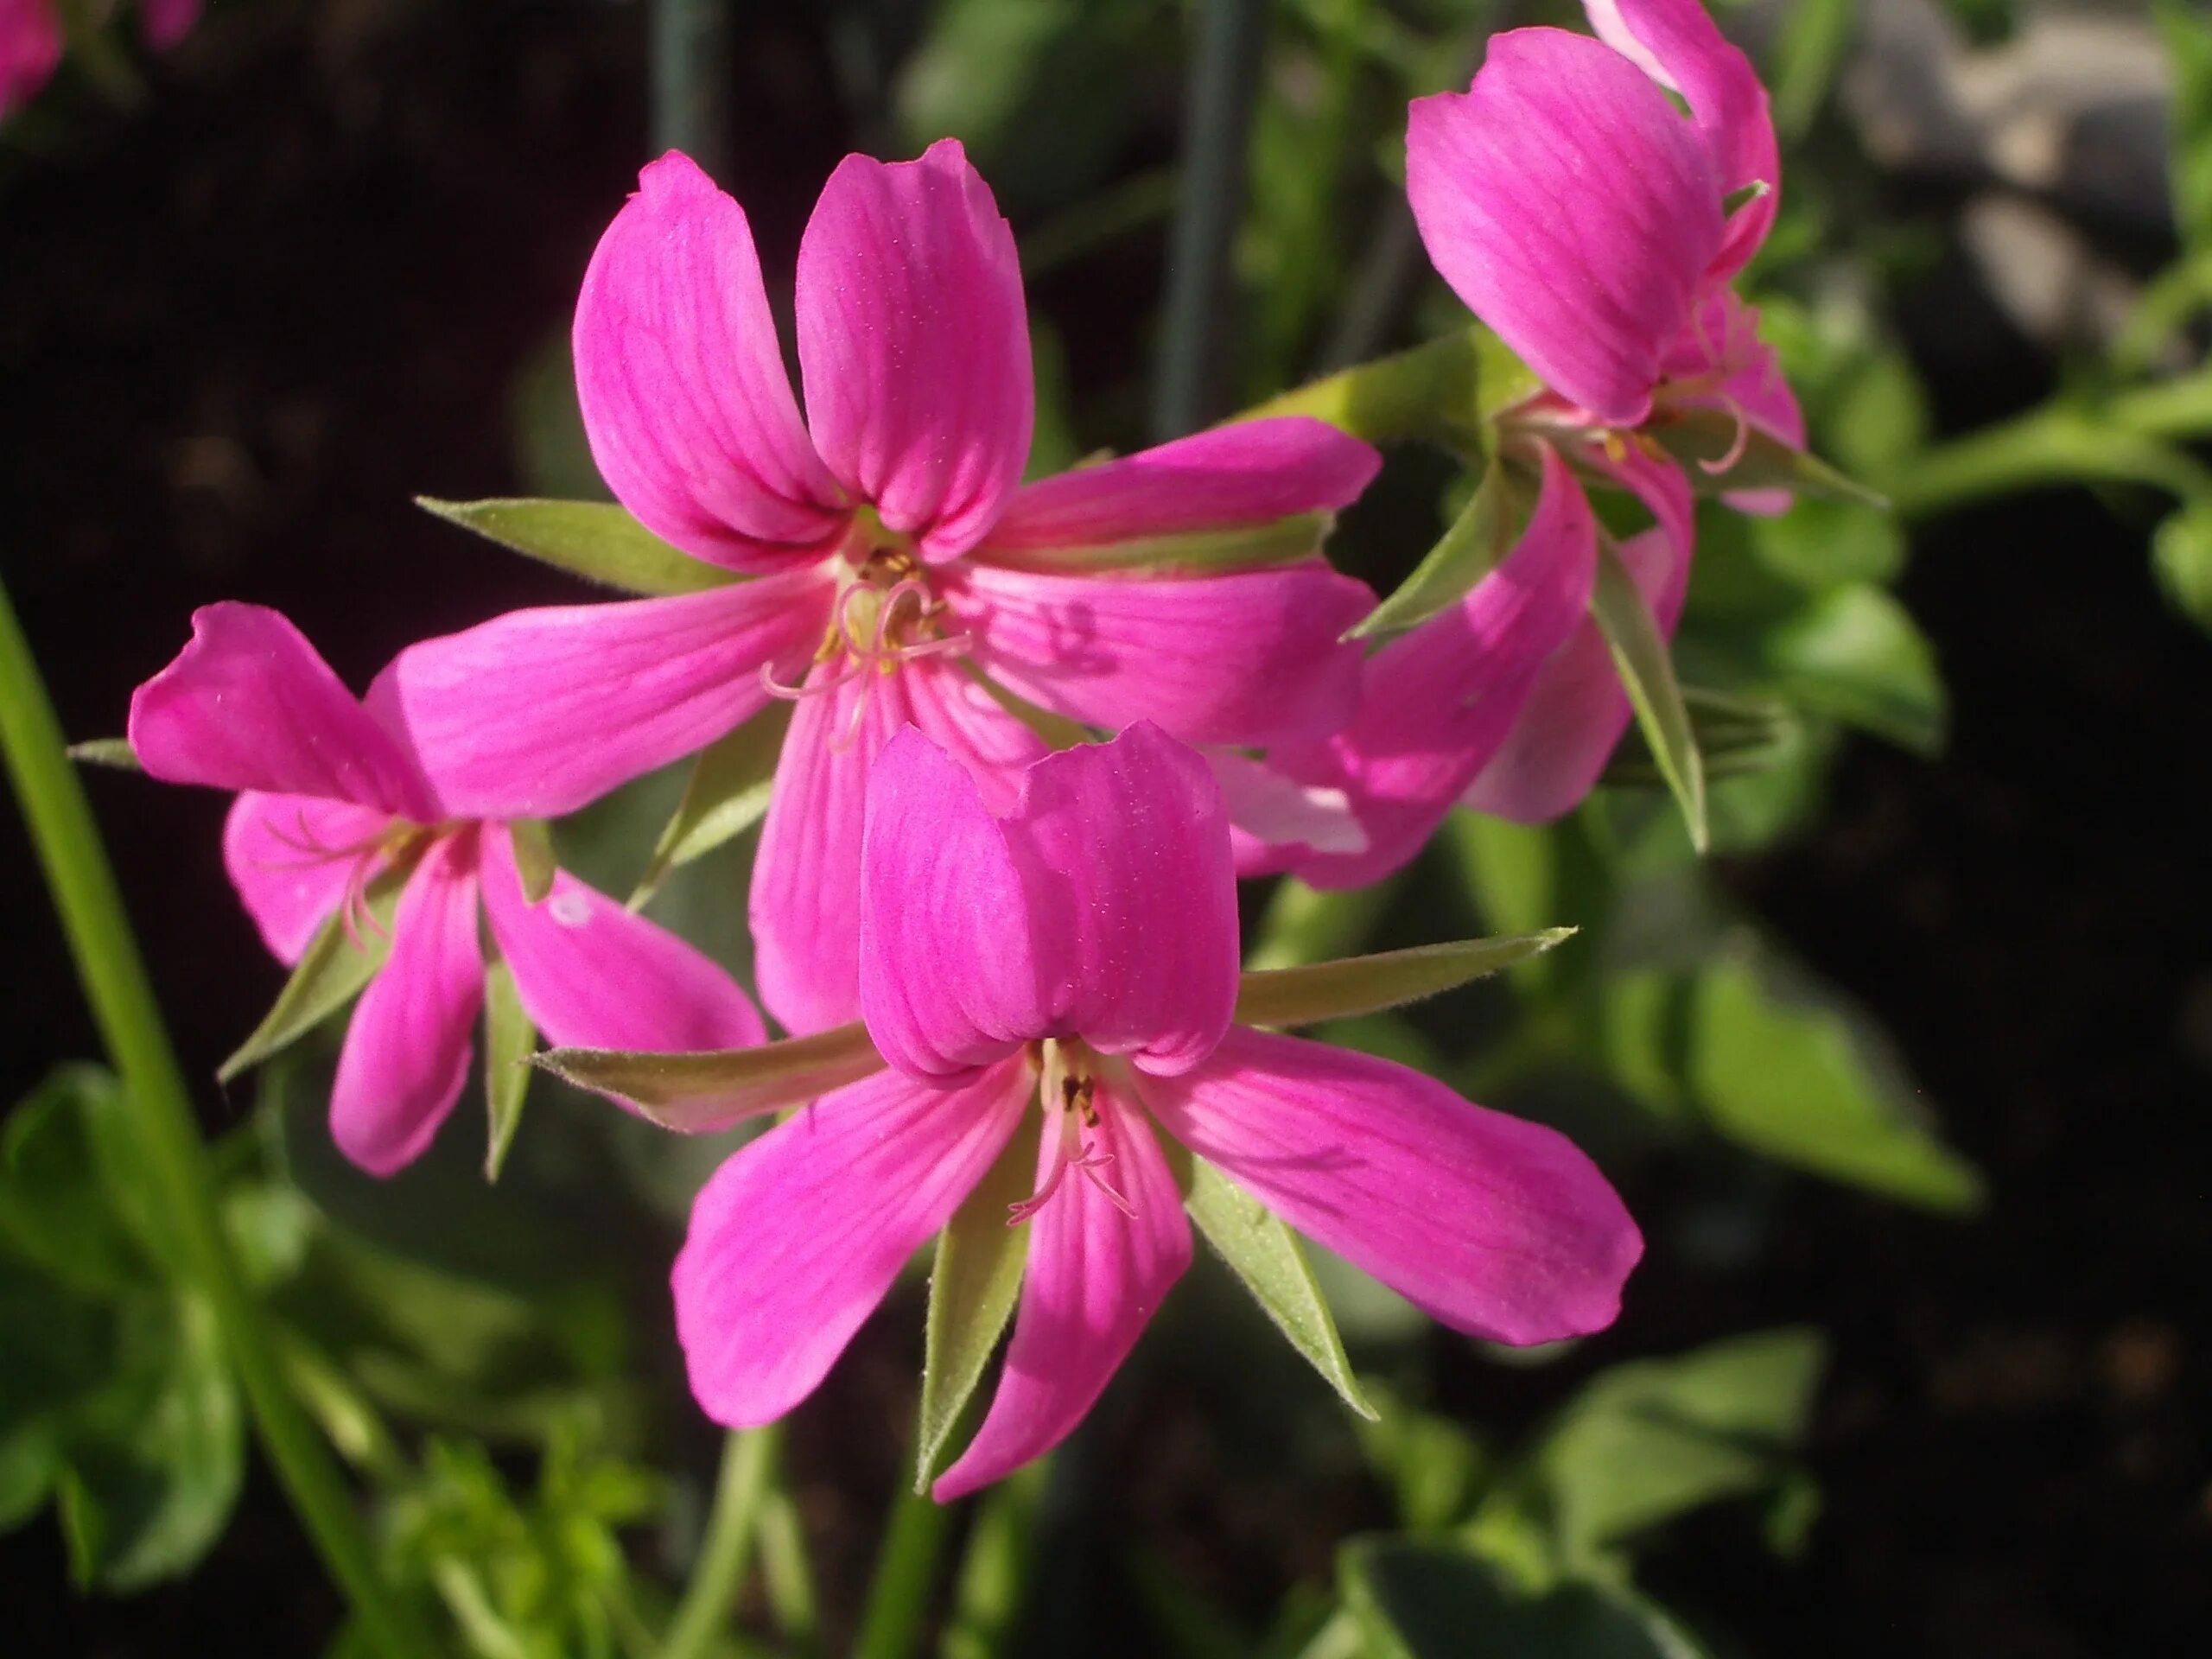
(287, 856)
(406, 1052)
(1095, 1276)
(1499, 1228)
(590, 974)
(796, 1239)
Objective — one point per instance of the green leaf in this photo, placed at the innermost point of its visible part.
(595, 540)
(1284, 998)
(1734, 736)
(1647, 673)
(106, 752)
(58, 1205)
(1855, 655)
(2188, 36)
(336, 964)
(1702, 439)
(972, 1285)
(2181, 559)
(1650, 1441)
(1448, 389)
(534, 859)
(509, 1039)
(1199, 552)
(714, 1089)
(1414, 1600)
(1781, 1069)
(1265, 1254)
(726, 795)
(1478, 538)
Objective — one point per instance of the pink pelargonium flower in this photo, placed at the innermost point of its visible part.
(330, 799)
(895, 560)
(31, 38)
(1084, 945)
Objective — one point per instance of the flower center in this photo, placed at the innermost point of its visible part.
(885, 615)
(1067, 1088)
(396, 845)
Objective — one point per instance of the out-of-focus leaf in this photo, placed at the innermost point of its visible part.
(1824, 543)
(1808, 51)
(1415, 1600)
(114, 751)
(1432, 1464)
(1698, 436)
(59, 1186)
(595, 540)
(2188, 36)
(1285, 998)
(1650, 1441)
(1856, 655)
(509, 1038)
(2181, 559)
(726, 794)
(1266, 1255)
(1303, 924)
(1647, 673)
(343, 957)
(973, 1284)
(696, 1093)
(1471, 548)
(1734, 736)
(534, 860)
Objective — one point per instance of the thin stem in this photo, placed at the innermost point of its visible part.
(1217, 119)
(988, 1590)
(691, 80)
(114, 979)
(2050, 446)
(718, 1575)
(899, 1598)
(788, 1576)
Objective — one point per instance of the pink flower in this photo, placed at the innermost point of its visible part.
(895, 561)
(330, 798)
(1085, 942)
(31, 40)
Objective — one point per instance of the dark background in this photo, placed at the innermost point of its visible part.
(241, 327)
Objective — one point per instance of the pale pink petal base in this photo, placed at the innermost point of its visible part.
(292, 858)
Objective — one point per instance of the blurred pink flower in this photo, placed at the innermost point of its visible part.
(898, 568)
(31, 40)
(1087, 940)
(331, 798)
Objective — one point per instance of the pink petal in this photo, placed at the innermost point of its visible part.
(1571, 208)
(163, 23)
(1440, 699)
(685, 399)
(590, 974)
(30, 49)
(1093, 1279)
(1498, 1227)
(1244, 474)
(535, 712)
(797, 1238)
(1678, 45)
(1275, 821)
(249, 704)
(406, 1052)
(290, 858)
(914, 345)
(1253, 656)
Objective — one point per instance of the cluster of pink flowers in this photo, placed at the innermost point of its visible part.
(1011, 910)
(32, 37)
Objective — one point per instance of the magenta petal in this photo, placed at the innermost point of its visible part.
(590, 974)
(1497, 1227)
(797, 1238)
(406, 1052)
(1247, 473)
(291, 858)
(1571, 208)
(684, 395)
(1254, 656)
(1678, 45)
(1094, 1278)
(1275, 821)
(1440, 700)
(535, 712)
(249, 704)
(30, 49)
(163, 23)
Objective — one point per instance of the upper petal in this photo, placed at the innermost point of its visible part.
(914, 345)
(291, 858)
(406, 1052)
(1678, 45)
(1243, 474)
(30, 47)
(1571, 208)
(1253, 656)
(1094, 1278)
(1499, 1228)
(682, 383)
(249, 704)
(797, 1238)
(590, 974)
(536, 712)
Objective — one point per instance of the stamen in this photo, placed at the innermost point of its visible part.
(1741, 443)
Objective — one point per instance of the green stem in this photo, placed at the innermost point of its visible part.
(899, 1598)
(748, 1461)
(114, 983)
(986, 1593)
(2057, 446)
(691, 80)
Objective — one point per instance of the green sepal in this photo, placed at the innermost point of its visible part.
(595, 540)
(1736, 736)
(1477, 540)
(509, 1039)
(1285, 998)
(1200, 552)
(974, 1283)
(726, 795)
(336, 964)
(1448, 390)
(1647, 674)
(1698, 436)
(534, 860)
(714, 1089)
(1265, 1255)
(114, 751)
